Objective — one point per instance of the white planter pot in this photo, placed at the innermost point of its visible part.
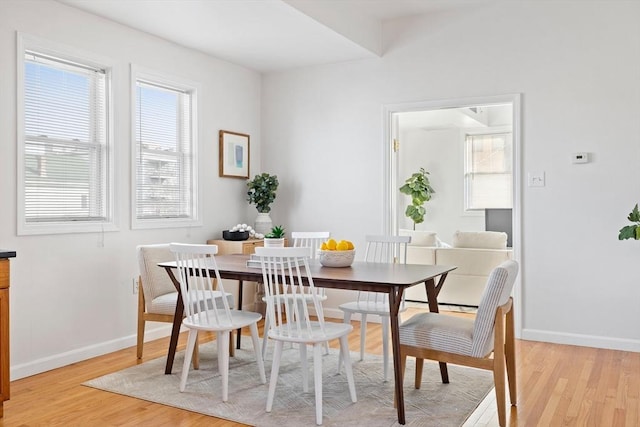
(263, 223)
(274, 243)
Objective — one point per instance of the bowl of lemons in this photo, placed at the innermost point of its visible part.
(336, 253)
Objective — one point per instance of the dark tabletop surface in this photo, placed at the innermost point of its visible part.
(5, 253)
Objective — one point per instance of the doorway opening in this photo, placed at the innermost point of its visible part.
(471, 149)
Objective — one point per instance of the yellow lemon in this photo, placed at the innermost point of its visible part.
(342, 246)
(324, 246)
(350, 245)
(331, 244)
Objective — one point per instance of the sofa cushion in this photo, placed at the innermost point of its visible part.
(480, 239)
(419, 237)
(472, 262)
(421, 255)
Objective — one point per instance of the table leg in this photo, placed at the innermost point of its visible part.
(177, 322)
(240, 287)
(432, 299)
(395, 298)
(175, 332)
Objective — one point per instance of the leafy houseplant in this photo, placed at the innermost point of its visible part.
(262, 191)
(631, 231)
(418, 187)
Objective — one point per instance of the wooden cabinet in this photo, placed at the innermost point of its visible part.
(4, 330)
(245, 247)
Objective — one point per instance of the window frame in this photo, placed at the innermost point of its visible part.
(24, 43)
(139, 73)
(498, 130)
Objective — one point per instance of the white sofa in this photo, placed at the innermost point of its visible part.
(474, 254)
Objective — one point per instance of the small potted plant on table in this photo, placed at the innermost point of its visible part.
(275, 238)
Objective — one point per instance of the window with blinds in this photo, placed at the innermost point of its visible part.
(488, 171)
(64, 144)
(165, 168)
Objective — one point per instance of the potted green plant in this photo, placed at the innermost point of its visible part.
(275, 238)
(631, 231)
(262, 192)
(418, 187)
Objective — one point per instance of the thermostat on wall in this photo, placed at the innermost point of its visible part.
(580, 158)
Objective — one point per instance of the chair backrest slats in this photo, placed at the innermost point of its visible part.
(310, 239)
(289, 290)
(384, 249)
(195, 264)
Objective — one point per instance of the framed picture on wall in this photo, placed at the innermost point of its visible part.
(234, 154)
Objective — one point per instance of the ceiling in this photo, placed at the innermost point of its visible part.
(268, 35)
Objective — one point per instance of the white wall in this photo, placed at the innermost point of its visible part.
(577, 66)
(441, 153)
(70, 297)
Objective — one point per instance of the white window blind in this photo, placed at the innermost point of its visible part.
(165, 161)
(488, 171)
(65, 149)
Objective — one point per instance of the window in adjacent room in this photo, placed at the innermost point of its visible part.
(164, 137)
(488, 171)
(64, 146)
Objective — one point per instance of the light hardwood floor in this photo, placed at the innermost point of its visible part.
(558, 385)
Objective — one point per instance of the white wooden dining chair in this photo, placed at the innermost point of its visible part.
(283, 270)
(157, 295)
(486, 342)
(196, 269)
(389, 249)
(302, 239)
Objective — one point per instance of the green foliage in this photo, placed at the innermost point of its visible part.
(277, 232)
(418, 187)
(631, 231)
(262, 191)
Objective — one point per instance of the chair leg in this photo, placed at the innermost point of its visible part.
(419, 366)
(196, 356)
(191, 342)
(305, 367)
(223, 362)
(385, 346)
(140, 340)
(510, 355)
(256, 348)
(347, 320)
(317, 378)
(499, 367)
(498, 378)
(363, 334)
(275, 367)
(344, 351)
(265, 337)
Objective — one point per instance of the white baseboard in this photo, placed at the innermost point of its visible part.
(63, 359)
(581, 340)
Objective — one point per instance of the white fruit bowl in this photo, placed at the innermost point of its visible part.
(336, 258)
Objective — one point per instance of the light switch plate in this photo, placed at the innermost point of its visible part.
(536, 179)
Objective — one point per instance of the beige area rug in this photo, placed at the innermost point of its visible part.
(435, 404)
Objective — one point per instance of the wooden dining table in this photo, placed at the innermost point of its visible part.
(391, 279)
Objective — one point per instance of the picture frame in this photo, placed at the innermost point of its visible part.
(234, 154)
